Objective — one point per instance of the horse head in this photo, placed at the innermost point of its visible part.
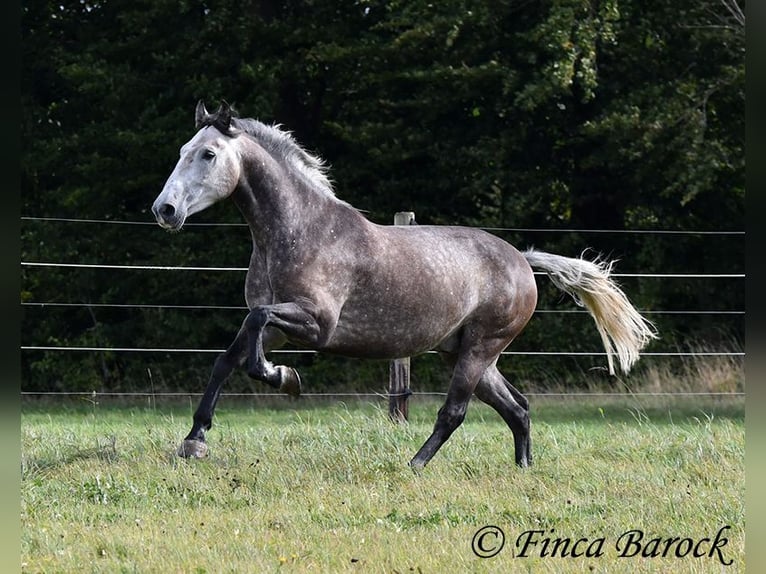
(207, 171)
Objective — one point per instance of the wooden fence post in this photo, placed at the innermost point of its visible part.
(399, 370)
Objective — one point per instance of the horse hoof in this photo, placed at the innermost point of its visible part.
(289, 381)
(192, 449)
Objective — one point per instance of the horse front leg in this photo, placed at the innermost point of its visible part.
(194, 445)
(298, 322)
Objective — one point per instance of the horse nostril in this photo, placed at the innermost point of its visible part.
(167, 211)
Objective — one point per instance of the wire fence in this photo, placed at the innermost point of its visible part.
(309, 351)
(510, 229)
(244, 269)
(244, 308)
(177, 268)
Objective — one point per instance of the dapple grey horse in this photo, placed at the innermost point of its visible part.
(324, 277)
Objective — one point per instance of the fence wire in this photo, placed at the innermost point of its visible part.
(93, 395)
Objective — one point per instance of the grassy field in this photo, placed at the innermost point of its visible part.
(325, 488)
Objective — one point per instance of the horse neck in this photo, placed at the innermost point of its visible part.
(280, 207)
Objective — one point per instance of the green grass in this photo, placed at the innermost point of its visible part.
(327, 489)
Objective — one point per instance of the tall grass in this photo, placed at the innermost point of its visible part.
(695, 373)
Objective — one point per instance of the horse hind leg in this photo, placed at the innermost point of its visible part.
(494, 390)
(465, 377)
(515, 393)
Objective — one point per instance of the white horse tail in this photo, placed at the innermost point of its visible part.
(623, 330)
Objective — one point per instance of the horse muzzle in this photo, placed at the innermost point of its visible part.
(168, 216)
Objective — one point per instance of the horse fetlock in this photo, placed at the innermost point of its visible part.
(523, 452)
(263, 371)
(254, 372)
(289, 381)
(524, 459)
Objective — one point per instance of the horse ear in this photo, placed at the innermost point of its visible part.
(200, 114)
(224, 114)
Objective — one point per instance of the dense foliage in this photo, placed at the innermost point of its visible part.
(577, 114)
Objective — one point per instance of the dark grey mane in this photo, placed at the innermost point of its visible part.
(282, 145)
(279, 143)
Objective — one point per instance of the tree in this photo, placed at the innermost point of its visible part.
(611, 114)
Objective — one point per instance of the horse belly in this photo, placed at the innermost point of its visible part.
(387, 327)
(375, 336)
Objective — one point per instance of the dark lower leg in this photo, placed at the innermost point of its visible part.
(467, 370)
(494, 390)
(233, 357)
(517, 396)
(203, 416)
(450, 416)
(193, 445)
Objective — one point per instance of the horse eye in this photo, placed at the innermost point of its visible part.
(208, 154)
